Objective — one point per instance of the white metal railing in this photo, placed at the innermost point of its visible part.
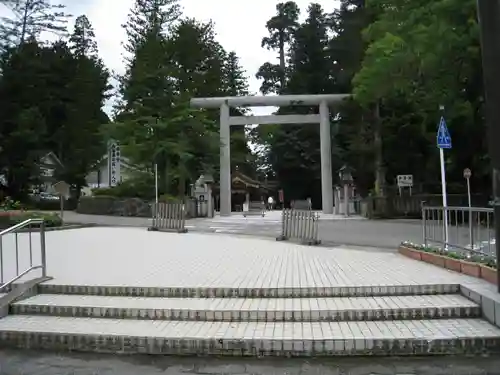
(468, 229)
(301, 225)
(169, 217)
(19, 273)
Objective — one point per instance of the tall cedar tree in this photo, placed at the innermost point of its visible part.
(29, 18)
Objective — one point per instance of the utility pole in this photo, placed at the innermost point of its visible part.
(489, 21)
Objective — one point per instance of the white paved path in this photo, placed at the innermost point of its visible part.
(136, 257)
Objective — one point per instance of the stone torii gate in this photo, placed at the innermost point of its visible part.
(323, 118)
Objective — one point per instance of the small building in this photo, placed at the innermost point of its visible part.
(49, 164)
(106, 175)
(243, 189)
(112, 169)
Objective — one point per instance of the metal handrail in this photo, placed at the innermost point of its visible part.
(461, 208)
(21, 225)
(15, 230)
(469, 229)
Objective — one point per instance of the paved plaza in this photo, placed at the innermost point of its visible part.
(129, 290)
(136, 257)
(334, 230)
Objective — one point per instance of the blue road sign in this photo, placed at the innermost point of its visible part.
(443, 135)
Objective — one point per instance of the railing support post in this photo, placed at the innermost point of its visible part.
(424, 224)
(42, 249)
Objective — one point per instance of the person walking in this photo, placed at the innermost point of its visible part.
(270, 203)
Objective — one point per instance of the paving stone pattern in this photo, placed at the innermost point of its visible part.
(465, 336)
(251, 309)
(218, 295)
(264, 292)
(133, 257)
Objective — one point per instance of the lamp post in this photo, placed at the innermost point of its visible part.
(345, 175)
(489, 22)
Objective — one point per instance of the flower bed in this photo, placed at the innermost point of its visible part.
(476, 265)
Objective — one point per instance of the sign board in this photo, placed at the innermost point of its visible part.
(114, 164)
(281, 196)
(405, 180)
(467, 173)
(443, 135)
(62, 188)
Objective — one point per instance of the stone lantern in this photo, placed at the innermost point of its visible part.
(346, 180)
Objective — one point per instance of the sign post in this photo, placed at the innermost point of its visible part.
(467, 176)
(281, 198)
(444, 141)
(156, 183)
(63, 189)
(405, 181)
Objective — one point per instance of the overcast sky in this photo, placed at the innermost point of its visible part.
(240, 26)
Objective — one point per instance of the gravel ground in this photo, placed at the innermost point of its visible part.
(44, 363)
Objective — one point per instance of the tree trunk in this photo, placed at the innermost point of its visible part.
(166, 179)
(282, 61)
(379, 156)
(25, 23)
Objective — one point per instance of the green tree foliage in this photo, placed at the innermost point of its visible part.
(293, 150)
(421, 55)
(31, 18)
(172, 60)
(281, 28)
(235, 83)
(401, 60)
(52, 100)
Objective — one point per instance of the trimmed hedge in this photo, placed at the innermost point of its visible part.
(52, 205)
(113, 206)
(10, 218)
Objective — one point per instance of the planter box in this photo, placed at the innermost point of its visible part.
(435, 259)
(467, 268)
(453, 264)
(489, 274)
(410, 253)
(471, 269)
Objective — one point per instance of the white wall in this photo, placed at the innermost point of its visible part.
(92, 178)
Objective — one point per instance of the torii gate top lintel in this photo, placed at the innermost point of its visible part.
(268, 101)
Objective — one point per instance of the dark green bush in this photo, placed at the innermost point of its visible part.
(10, 218)
(99, 205)
(167, 198)
(51, 205)
(108, 192)
(140, 186)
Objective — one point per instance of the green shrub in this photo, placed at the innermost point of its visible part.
(9, 204)
(99, 205)
(51, 205)
(167, 198)
(140, 186)
(10, 218)
(109, 192)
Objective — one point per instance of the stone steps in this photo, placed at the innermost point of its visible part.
(410, 337)
(251, 309)
(261, 292)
